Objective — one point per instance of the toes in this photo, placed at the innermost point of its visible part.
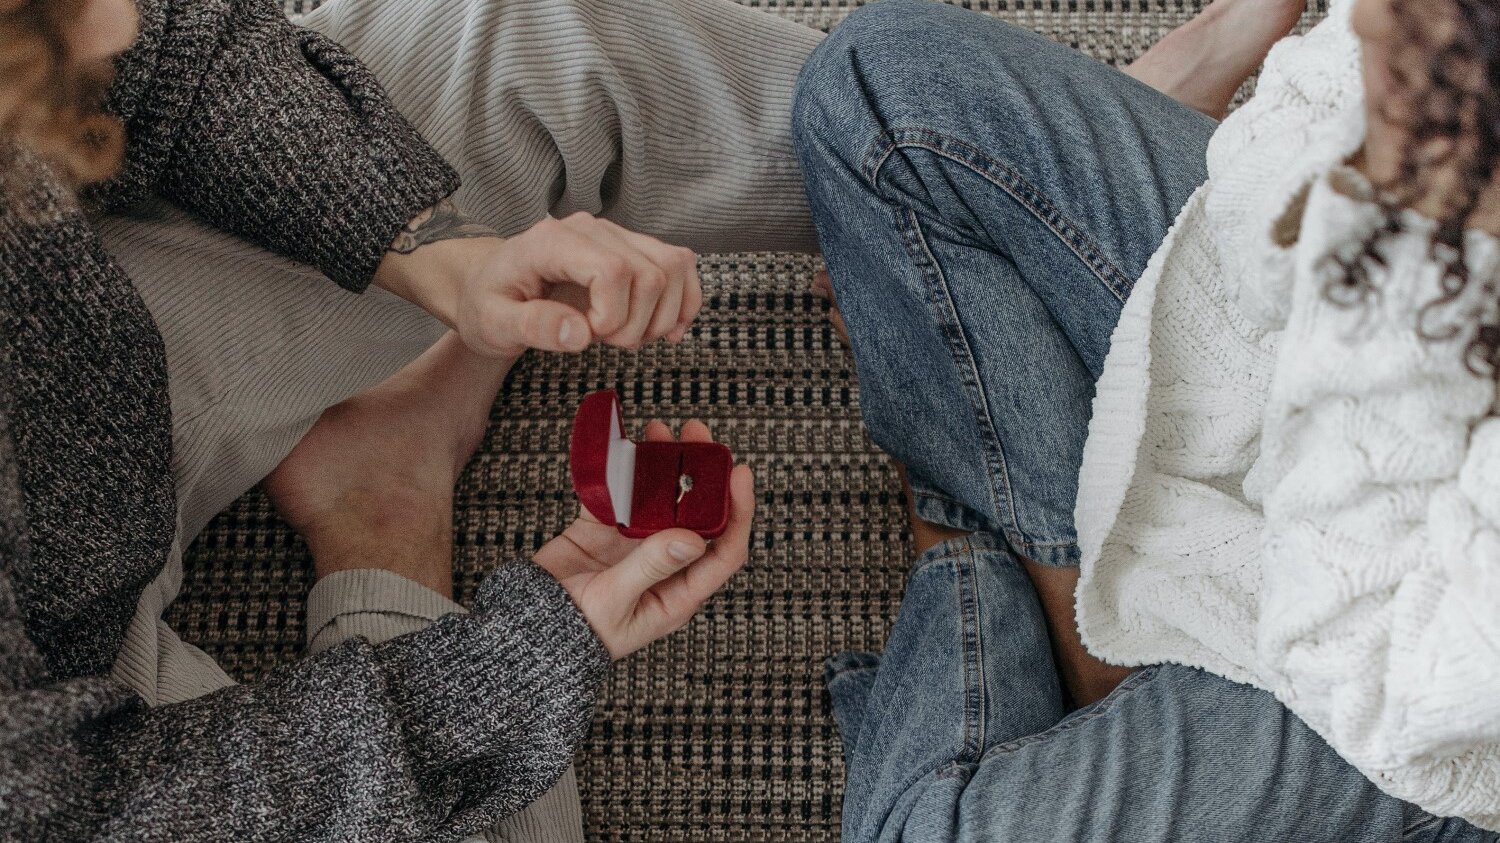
(657, 431)
(696, 431)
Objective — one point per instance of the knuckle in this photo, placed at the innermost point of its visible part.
(652, 281)
(532, 321)
(614, 267)
(608, 322)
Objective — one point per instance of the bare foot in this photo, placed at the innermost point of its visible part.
(1203, 63)
(371, 485)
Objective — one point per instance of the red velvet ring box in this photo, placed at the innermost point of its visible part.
(639, 486)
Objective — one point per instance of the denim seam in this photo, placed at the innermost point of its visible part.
(1019, 189)
(969, 616)
(877, 154)
(1002, 496)
(875, 157)
(961, 551)
(1131, 684)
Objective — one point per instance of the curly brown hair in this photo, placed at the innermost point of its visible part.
(50, 103)
(1446, 69)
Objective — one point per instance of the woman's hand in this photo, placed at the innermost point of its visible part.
(559, 286)
(635, 591)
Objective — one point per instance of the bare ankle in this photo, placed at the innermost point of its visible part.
(421, 555)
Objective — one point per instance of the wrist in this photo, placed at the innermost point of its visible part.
(433, 277)
(432, 258)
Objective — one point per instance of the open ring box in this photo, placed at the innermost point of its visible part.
(646, 487)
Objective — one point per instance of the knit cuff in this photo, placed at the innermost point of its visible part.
(270, 132)
(524, 663)
(355, 213)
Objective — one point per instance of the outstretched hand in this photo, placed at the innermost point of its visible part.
(633, 592)
(561, 285)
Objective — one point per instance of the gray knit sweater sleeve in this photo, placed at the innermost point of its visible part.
(430, 737)
(269, 131)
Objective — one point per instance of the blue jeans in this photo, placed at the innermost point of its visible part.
(985, 200)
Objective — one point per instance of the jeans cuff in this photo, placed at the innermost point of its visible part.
(1063, 555)
(852, 661)
(983, 543)
(937, 508)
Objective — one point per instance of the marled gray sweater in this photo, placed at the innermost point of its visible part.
(276, 134)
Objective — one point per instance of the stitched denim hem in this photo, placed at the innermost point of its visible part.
(1132, 683)
(1006, 178)
(937, 508)
(951, 549)
(1054, 555)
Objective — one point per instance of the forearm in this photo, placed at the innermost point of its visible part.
(509, 688)
(271, 132)
(430, 256)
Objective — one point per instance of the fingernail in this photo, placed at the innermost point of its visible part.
(566, 333)
(682, 551)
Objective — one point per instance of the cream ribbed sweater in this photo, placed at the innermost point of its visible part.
(1294, 495)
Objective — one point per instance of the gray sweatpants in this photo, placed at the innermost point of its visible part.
(670, 117)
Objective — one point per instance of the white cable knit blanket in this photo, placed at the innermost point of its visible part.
(1296, 495)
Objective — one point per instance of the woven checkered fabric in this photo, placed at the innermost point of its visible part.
(722, 732)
